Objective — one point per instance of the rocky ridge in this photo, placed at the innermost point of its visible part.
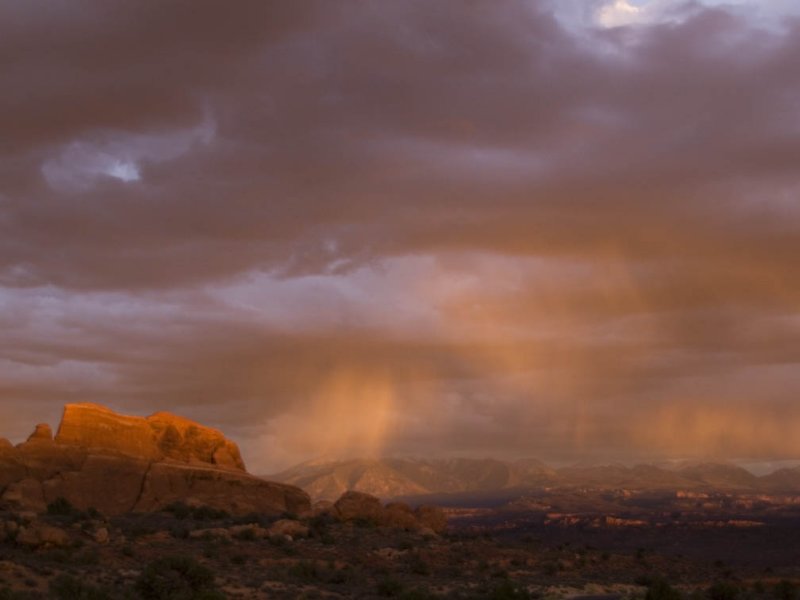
(116, 464)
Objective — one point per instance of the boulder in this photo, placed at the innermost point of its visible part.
(432, 517)
(101, 535)
(27, 536)
(353, 506)
(38, 534)
(53, 536)
(356, 506)
(399, 515)
(284, 527)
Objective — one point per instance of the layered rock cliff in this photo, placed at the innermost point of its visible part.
(118, 464)
(159, 436)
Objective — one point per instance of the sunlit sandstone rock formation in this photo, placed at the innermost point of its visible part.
(117, 464)
(159, 436)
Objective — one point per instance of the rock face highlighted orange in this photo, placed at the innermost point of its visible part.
(159, 436)
(118, 464)
(42, 432)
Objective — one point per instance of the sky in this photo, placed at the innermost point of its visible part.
(566, 229)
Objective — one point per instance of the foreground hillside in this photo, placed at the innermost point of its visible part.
(358, 548)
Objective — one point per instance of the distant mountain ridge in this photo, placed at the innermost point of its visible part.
(404, 477)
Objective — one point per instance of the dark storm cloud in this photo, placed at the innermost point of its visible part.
(500, 226)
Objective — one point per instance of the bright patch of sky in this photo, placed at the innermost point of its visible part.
(579, 14)
(83, 163)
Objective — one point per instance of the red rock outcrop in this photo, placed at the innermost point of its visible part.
(432, 517)
(120, 464)
(42, 432)
(358, 506)
(399, 515)
(159, 436)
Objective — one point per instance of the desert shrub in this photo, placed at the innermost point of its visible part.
(304, 571)
(499, 574)
(278, 541)
(660, 589)
(61, 507)
(179, 533)
(58, 555)
(550, 568)
(207, 513)
(253, 519)
(309, 571)
(247, 535)
(179, 510)
(785, 590)
(67, 587)
(405, 544)
(389, 587)
(319, 526)
(418, 565)
(177, 578)
(723, 590)
(417, 594)
(365, 522)
(238, 559)
(326, 539)
(508, 590)
(140, 530)
(86, 556)
(340, 576)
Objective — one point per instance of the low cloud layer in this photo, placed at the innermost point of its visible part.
(508, 228)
